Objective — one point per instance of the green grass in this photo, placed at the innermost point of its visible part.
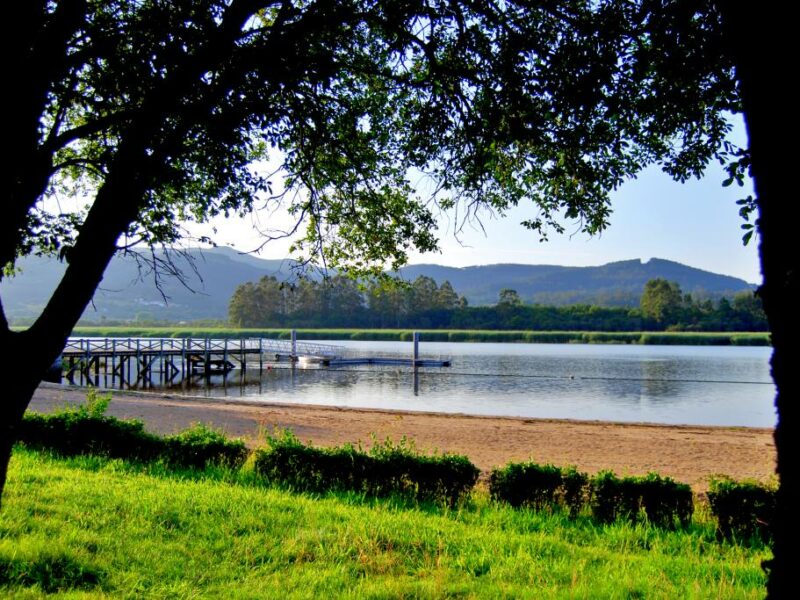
(446, 335)
(90, 527)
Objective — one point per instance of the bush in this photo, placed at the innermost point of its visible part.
(201, 446)
(659, 500)
(86, 429)
(386, 469)
(744, 509)
(539, 486)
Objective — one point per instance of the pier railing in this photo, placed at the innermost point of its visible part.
(88, 346)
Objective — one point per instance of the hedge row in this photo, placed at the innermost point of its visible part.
(743, 510)
(86, 429)
(540, 487)
(384, 470)
(658, 500)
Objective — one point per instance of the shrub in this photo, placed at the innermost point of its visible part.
(659, 500)
(86, 429)
(539, 486)
(574, 486)
(386, 469)
(201, 446)
(744, 509)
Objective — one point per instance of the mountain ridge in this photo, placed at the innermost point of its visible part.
(129, 294)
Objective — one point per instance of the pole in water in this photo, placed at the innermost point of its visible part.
(294, 343)
(416, 347)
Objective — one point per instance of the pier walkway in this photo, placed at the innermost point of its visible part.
(136, 360)
(127, 357)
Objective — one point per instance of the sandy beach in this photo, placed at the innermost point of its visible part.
(687, 453)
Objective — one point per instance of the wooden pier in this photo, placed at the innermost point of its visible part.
(150, 361)
(137, 360)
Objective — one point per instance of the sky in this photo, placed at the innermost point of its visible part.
(695, 223)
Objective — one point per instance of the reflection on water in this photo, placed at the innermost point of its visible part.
(662, 384)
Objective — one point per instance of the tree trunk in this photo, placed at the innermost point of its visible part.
(28, 366)
(760, 70)
(30, 353)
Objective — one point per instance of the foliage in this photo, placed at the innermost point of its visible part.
(508, 298)
(661, 300)
(540, 486)
(496, 104)
(744, 509)
(152, 534)
(387, 469)
(201, 445)
(660, 500)
(338, 302)
(86, 429)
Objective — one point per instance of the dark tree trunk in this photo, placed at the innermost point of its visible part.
(28, 368)
(756, 36)
(32, 352)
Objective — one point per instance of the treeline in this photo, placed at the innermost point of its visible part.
(423, 304)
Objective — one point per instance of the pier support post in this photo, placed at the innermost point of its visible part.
(416, 347)
(294, 343)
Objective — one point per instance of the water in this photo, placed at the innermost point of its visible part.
(702, 385)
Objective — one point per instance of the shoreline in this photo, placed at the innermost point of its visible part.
(692, 338)
(688, 453)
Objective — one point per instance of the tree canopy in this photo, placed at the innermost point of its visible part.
(550, 103)
(661, 299)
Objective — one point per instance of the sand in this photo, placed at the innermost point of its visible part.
(690, 454)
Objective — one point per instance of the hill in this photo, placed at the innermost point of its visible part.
(129, 293)
(613, 284)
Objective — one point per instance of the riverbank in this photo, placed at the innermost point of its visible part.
(690, 454)
(685, 338)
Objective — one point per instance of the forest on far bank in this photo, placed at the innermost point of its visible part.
(342, 302)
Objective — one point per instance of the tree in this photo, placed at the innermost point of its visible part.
(385, 303)
(754, 38)
(508, 298)
(422, 294)
(262, 304)
(447, 298)
(661, 300)
(153, 112)
(345, 307)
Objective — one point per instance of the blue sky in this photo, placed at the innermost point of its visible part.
(695, 223)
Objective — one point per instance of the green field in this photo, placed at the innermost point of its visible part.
(91, 527)
(447, 335)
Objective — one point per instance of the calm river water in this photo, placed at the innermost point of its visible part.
(703, 385)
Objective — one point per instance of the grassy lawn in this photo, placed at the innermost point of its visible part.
(91, 527)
